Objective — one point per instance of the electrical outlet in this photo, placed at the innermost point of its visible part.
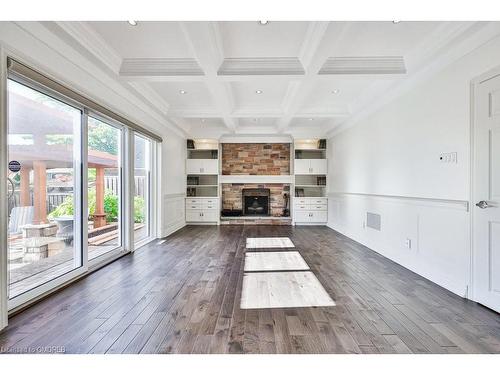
(449, 157)
(408, 243)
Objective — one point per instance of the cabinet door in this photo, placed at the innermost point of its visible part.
(194, 166)
(302, 216)
(210, 166)
(210, 215)
(319, 217)
(302, 166)
(194, 215)
(319, 166)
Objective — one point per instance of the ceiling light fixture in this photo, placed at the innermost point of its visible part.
(335, 91)
(311, 119)
(258, 91)
(132, 23)
(263, 23)
(183, 92)
(396, 21)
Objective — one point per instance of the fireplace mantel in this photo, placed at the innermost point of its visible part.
(256, 179)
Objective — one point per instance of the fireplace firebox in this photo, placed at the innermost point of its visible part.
(256, 202)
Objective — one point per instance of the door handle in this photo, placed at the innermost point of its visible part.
(483, 204)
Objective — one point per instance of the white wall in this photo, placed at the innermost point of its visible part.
(173, 180)
(391, 157)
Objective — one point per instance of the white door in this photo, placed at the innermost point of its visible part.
(302, 166)
(486, 192)
(318, 166)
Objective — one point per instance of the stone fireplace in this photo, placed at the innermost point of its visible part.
(255, 202)
(255, 183)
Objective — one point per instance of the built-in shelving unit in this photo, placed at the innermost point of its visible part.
(202, 181)
(310, 182)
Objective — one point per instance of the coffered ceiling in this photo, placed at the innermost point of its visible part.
(214, 78)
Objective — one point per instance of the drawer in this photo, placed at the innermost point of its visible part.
(301, 206)
(194, 200)
(209, 206)
(194, 206)
(318, 207)
(301, 201)
(316, 201)
(212, 201)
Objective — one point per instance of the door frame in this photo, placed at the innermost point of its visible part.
(472, 291)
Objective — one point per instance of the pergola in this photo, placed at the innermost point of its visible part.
(39, 122)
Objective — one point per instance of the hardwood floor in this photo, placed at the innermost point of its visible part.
(183, 296)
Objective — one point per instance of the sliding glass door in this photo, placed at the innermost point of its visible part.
(73, 183)
(44, 188)
(105, 212)
(142, 188)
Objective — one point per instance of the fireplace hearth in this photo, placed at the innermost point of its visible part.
(256, 202)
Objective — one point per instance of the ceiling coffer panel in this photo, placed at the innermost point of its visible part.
(152, 67)
(261, 66)
(364, 65)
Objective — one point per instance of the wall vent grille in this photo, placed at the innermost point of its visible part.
(373, 221)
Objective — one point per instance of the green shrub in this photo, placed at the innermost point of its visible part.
(111, 207)
(139, 216)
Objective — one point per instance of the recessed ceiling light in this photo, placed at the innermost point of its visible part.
(396, 21)
(132, 23)
(183, 92)
(263, 23)
(335, 91)
(258, 91)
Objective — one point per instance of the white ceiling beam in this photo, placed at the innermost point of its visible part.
(205, 43)
(316, 48)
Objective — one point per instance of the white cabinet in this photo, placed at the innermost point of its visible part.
(310, 166)
(318, 166)
(202, 166)
(310, 210)
(202, 210)
(302, 166)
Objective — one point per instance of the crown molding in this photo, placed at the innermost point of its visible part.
(93, 43)
(460, 41)
(53, 37)
(148, 93)
(159, 67)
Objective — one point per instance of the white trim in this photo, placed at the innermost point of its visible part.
(268, 138)
(255, 179)
(436, 202)
(3, 193)
(473, 88)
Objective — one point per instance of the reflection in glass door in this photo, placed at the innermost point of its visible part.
(104, 188)
(44, 154)
(142, 186)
